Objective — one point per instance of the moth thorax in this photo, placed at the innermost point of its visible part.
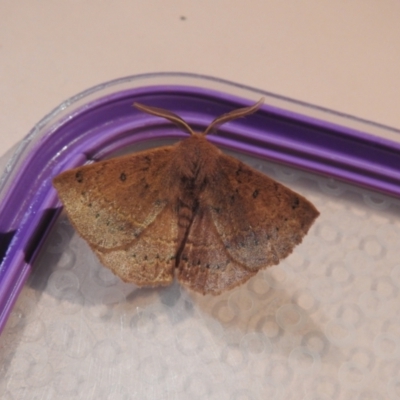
(196, 159)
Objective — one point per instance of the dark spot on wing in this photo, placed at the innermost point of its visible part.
(79, 177)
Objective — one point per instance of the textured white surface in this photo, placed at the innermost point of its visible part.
(324, 324)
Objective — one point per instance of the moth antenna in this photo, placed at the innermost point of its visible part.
(240, 112)
(160, 112)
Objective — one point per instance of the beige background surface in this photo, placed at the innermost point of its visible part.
(343, 55)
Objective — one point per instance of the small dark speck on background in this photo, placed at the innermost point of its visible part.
(183, 18)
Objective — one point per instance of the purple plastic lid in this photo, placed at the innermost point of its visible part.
(101, 121)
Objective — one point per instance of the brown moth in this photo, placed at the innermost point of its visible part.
(186, 209)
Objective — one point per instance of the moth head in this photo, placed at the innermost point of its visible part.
(177, 120)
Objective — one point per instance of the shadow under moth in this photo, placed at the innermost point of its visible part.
(187, 210)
